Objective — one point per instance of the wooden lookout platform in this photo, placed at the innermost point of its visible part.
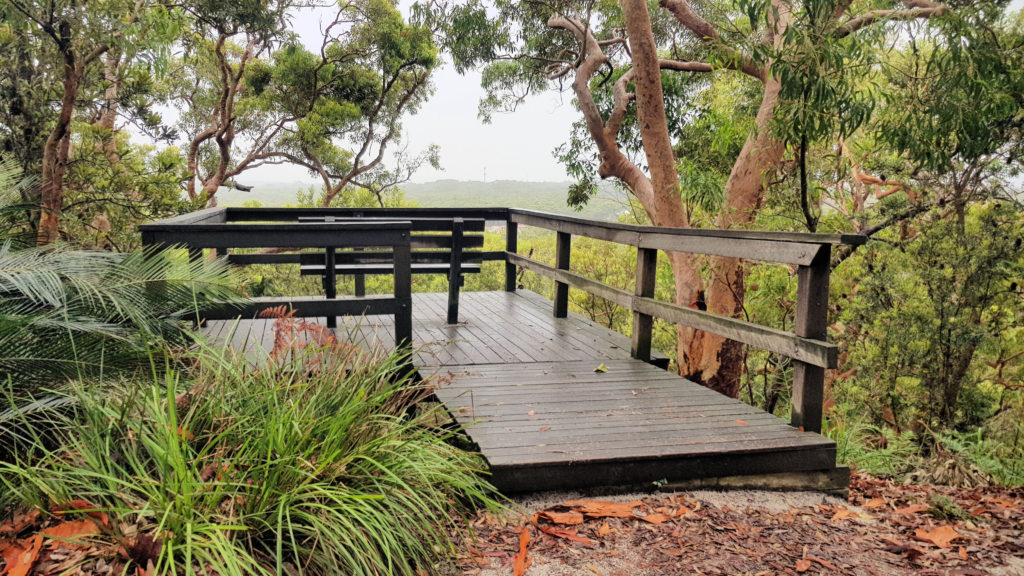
(551, 399)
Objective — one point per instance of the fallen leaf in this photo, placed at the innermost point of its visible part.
(603, 509)
(875, 503)
(654, 518)
(843, 513)
(601, 368)
(72, 530)
(570, 518)
(20, 558)
(530, 413)
(522, 561)
(604, 530)
(681, 511)
(568, 534)
(86, 507)
(742, 423)
(914, 509)
(910, 551)
(545, 428)
(803, 565)
(941, 536)
(962, 552)
(18, 523)
(823, 563)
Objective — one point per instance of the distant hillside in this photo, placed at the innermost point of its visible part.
(545, 196)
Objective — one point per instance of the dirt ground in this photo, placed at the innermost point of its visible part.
(882, 528)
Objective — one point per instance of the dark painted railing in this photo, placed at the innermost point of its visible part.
(362, 227)
(217, 229)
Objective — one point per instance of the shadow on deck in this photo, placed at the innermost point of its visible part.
(525, 386)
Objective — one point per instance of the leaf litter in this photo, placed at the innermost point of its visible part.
(882, 528)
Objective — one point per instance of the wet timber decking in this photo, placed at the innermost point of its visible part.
(523, 384)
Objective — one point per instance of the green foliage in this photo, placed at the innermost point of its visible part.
(268, 471)
(80, 314)
(925, 309)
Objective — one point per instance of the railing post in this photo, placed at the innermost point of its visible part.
(811, 322)
(455, 272)
(563, 247)
(330, 282)
(403, 293)
(512, 246)
(643, 324)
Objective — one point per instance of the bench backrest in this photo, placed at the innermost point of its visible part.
(431, 242)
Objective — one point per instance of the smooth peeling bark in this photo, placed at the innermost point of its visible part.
(721, 364)
(663, 205)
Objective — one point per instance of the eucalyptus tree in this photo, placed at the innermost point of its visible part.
(255, 96)
(348, 101)
(220, 127)
(68, 40)
(805, 72)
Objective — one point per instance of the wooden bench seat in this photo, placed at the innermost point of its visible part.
(447, 250)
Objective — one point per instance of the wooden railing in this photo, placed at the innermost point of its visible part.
(806, 345)
(217, 229)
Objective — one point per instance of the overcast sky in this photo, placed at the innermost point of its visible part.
(515, 146)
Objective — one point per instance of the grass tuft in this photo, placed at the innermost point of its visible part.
(278, 470)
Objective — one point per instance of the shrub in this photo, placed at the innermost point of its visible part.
(263, 471)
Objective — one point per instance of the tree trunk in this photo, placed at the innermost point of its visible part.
(55, 154)
(108, 113)
(721, 365)
(663, 205)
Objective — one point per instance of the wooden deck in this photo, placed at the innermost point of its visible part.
(524, 386)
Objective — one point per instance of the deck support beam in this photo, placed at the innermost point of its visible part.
(330, 282)
(511, 245)
(455, 272)
(403, 293)
(643, 324)
(811, 322)
(563, 247)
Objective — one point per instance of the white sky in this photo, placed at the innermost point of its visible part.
(515, 146)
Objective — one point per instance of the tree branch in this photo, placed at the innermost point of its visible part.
(916, 9)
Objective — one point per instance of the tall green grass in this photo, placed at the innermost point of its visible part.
(269, 471)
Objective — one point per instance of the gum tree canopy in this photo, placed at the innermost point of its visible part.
(801, 72)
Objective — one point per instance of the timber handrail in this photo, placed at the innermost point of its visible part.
(213, 229)
(806, 345)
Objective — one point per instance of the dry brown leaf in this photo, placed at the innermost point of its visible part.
(570, 518)
(71, 531)
(683, 510)
(545, 428)
(803, 565)
(913, 509)
(962, 552)
(604, 509)
(18, 523)
(20, 557)
(523, 560)
(654, 518)
(604, 530)
(875, 503)
(843, 513)
(85, 507)
(941, 536)
(742, 423)
(571, 535)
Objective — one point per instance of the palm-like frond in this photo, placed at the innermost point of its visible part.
(72, 313)
(13, 189)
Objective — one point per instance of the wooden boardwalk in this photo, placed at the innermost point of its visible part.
(524, 386)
